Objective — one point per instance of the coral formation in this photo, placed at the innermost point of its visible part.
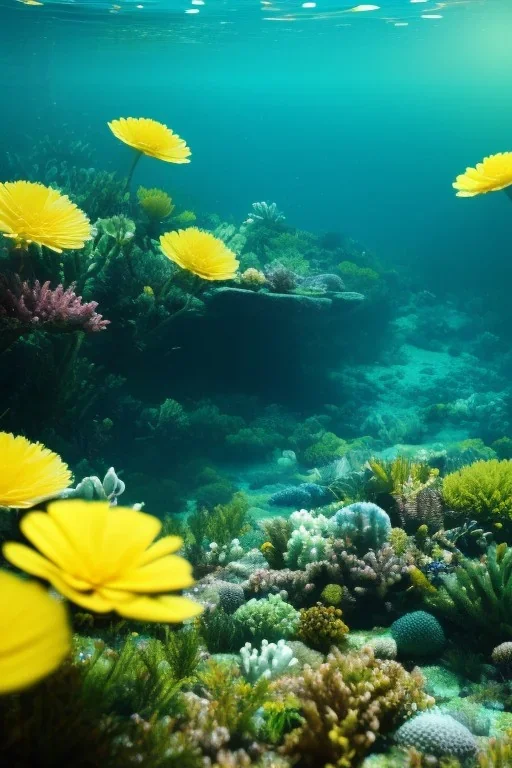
(418, 634)
(438, 735)
(482, 489)
(348, 702)
(320, 627)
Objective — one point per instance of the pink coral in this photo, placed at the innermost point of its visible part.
(56, 310)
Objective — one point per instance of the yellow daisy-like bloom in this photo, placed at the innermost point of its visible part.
(491, 175)
(103, 558)
(33, 213)
(155, 203)
(29, 472)
(201, 253)
(34, 633)
(151, 138)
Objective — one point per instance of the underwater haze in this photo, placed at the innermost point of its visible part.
(255, 384)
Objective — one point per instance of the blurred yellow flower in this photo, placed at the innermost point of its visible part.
(184, 218)
(201, 253)
(34, 633)
(151, 138)
(103, 558)
(33, 213)
(155, 203)
(29, 472)
(491, 175)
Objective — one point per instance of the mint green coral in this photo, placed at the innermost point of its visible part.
(482, 490)
(477, 595)
(271, 618)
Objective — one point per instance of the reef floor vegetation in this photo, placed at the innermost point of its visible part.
(258, 512)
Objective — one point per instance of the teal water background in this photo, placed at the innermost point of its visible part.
(347, 121)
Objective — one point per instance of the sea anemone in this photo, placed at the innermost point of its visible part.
(491, 175)
(103, 558)
(29, 472)
(34, 633)
(201, 253)
(33, 213)
(155, 203)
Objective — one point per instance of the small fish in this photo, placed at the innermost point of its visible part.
(29, 2)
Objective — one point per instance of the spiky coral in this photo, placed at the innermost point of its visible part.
(347, 703)
(478, 595)
(27, 308)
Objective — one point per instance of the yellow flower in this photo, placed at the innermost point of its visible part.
(29, 472)
(155, 203)
(34, 633)
(201, 253)
(33, 213)
(491, 175)
(103, 558)
(151, 138)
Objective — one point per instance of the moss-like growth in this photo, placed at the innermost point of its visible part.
(483, 490)
(270, 619)
(277, 532)
(328, 448)
(332, 594)
(399, 540)
(321, 627)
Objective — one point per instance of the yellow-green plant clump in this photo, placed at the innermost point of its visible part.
(482, 489)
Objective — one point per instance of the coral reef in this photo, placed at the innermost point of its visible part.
(320, 627)
(348, 702)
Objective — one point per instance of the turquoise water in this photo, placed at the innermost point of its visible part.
(347, 120)
(256, 439)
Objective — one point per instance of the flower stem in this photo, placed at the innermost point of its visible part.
(136, 159)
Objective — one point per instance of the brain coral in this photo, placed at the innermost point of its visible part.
(437, 734)
(418, 634)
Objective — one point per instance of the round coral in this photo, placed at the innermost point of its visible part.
(438, 735)
(321, 627)
(418, 634)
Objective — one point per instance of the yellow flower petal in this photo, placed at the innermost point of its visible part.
(166, 546)
(163, 575)
(29, 472)
(201, 253)
(34, 633)
(493, 174)
(151, 138)
(33, 213)
(166, 609)
(105, 544)
(29, 561)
